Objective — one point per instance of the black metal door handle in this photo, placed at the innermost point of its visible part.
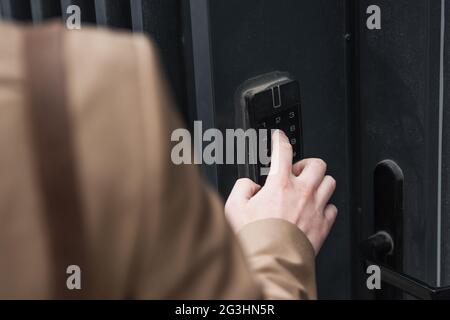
(375, 249)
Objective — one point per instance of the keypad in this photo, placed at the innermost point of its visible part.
(288, 122)
(278, 108)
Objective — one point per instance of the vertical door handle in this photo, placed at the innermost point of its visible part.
(385, 247)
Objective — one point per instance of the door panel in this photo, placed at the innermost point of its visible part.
(45, 9)
(306, 39)
(445, 229)
(19, 10)
(113, 13)
(400, 121)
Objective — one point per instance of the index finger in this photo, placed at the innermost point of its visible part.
(282, 155)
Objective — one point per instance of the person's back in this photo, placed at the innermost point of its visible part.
(87, 181)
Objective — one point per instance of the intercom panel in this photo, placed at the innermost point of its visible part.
(266, 103)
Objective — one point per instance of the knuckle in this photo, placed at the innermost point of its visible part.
(335, 210)
(244, 182)
(333, 182)
(307, 187)
(319, 163)
(332, 212)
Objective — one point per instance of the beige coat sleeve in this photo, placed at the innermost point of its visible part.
(281, 259)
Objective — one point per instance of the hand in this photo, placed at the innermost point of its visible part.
(296, 193)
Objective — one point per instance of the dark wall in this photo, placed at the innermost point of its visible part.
(19, 10)
(45, 9)
(113, 13)
(163, 20)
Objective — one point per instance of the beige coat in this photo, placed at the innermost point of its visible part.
(86, 179)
